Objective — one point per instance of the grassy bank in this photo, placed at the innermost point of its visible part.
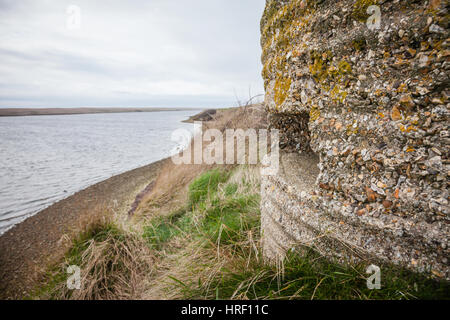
(210, 249)
(196, 235)
(221, 257)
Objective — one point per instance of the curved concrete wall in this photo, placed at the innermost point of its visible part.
(370, 107)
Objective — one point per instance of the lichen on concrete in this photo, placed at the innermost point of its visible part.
(372, 105)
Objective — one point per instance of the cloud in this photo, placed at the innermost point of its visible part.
(134, 53)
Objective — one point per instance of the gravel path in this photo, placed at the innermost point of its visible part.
(30, 246)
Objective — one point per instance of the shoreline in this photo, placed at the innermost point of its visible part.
(34, 243)
(28, 247)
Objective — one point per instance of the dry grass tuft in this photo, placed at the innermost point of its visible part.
(197, 259)
(114, 265)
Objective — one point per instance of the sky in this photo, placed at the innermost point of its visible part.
(136, 53)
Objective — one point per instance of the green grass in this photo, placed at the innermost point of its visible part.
(162, 229)
(231, 188)
(227, 221)
(222, 220)
(98, 233)
(311, 276)
(229, 213)
(206, 185)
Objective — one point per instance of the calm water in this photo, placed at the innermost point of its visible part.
(44, 159)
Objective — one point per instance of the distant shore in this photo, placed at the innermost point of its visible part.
(18, 112)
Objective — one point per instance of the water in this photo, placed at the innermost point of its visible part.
(44, 159)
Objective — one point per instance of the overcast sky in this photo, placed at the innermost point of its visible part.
(176, 53)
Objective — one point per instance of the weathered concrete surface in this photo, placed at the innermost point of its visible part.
(372, 104)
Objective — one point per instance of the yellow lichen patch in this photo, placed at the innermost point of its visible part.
(282, 25)
(326, 73)
(396, 114)
(360, 9)
(282, 41)
(402, 88)
(338, 95)
(344, 68)
(319, 66)
(314, 113)
(407, 128)
(267, 70)
(276, 18)
(433, 7)
(352, 128)
(281, 90)
(322, 69)
(359, 44)
(271, 10)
